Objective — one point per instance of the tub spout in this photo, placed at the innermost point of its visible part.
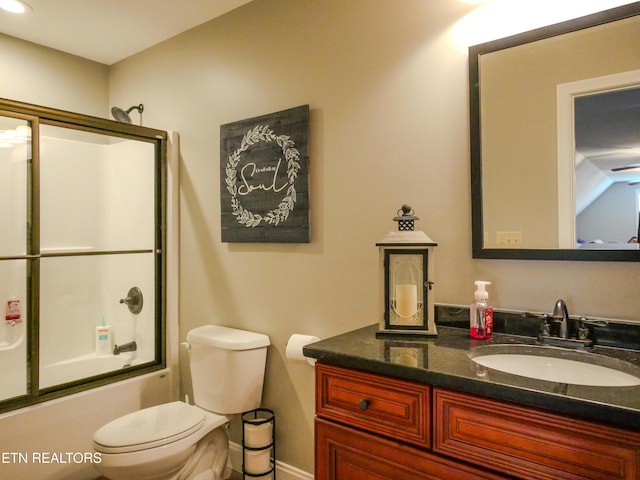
(125, 347)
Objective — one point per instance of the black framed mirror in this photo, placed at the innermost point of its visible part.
(543, 132)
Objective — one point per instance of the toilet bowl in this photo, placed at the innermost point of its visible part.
(178, 441)
(156, 443)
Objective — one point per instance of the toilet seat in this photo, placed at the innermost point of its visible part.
(152, 427)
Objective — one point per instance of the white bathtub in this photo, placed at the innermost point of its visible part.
(83, 367)
(67, 424)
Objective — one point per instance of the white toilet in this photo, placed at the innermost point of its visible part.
(177, 441)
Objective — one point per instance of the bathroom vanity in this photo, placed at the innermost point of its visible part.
(423, 409)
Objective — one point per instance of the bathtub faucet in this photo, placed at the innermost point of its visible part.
(125, 347)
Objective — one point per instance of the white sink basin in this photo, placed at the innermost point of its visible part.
(557, 365)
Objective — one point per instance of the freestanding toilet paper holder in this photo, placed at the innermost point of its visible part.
(259, 444)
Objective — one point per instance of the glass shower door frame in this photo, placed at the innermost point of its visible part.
(38, 116)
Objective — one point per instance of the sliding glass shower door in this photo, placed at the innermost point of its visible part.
(81, 252)
(15, 159)
(96, 242)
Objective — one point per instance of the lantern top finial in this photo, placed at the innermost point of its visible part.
(405, 235)
(405, 218)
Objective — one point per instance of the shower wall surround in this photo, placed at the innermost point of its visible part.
(83, 201)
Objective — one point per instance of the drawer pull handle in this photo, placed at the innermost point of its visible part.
(363, 404)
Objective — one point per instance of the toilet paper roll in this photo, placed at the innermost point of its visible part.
(294, 347)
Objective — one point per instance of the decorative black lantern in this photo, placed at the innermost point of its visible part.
(406, 258)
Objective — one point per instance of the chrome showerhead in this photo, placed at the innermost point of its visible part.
(123, 115)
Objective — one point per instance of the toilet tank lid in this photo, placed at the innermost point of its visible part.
(227, 338)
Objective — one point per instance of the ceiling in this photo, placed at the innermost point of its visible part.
(607, 131)
(108, 31)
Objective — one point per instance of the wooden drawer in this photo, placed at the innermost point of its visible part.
(344, 453)
(389, 407)
(531, 444)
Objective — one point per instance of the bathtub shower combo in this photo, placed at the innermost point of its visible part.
(81, 253)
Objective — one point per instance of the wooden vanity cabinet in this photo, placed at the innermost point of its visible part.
(372, 427)
(344, 453)
(380, 405)
(531, 444)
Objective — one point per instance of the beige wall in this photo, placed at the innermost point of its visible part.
(43, 76)
(388, 126)
(387, 88)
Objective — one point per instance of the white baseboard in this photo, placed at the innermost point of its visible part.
(283, 470)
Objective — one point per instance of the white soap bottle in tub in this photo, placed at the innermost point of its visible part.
(104, 339)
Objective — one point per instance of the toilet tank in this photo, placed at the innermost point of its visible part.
(227, 368)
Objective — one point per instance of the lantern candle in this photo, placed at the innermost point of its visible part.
(406, 300)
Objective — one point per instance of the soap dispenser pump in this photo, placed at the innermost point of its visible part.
(481, 315)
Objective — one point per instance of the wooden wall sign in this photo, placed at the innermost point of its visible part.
(264, 172)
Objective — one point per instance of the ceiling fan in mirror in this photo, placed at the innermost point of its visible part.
(626, 167)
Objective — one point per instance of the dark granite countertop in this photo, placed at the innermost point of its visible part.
(443, 361)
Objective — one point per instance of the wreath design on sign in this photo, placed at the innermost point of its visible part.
(262, 133)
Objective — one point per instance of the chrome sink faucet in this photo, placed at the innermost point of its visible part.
(561, 315)
(561, 335)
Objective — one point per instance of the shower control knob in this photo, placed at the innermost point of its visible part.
(133, 300)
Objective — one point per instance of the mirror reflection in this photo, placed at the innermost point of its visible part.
(607, 168)
(555, 140)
